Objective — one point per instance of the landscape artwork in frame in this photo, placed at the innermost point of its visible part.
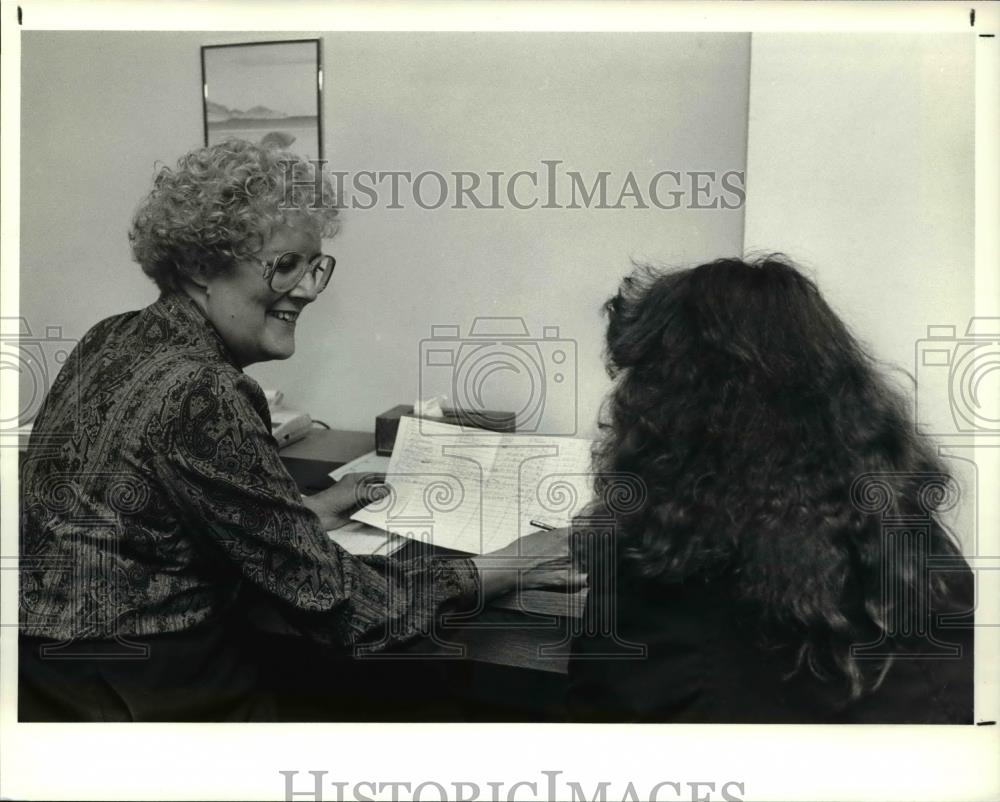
(264, 91)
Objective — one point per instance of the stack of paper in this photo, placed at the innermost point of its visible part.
(478, 492)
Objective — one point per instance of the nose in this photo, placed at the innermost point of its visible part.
(305, 290)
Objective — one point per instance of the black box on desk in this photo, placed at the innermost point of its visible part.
(387, 424)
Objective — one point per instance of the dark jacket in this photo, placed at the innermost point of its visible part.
(153, 496)
(685, 653)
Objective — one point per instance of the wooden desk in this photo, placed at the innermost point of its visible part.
(310, 460)
(331, 445)
(529, 630)
(520, 642)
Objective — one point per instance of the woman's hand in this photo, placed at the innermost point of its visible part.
(335, 505)
(535, 561)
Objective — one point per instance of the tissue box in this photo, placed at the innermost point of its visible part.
(387, 424)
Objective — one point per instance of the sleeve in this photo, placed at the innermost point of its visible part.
(221, 469)
(635, 659)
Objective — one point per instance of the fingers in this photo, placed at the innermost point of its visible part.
(371, 493)
(337, 523)
(555, 579)
(364, 479)
(368, 487)
(546, 543)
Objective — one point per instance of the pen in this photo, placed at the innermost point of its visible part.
(540, 525)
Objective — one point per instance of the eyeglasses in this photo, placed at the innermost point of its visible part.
(284, 272)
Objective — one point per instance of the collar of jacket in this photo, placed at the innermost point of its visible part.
(180, 308)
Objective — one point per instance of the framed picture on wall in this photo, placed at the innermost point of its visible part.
(265, 91)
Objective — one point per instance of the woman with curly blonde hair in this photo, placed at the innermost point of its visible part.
(153, 494)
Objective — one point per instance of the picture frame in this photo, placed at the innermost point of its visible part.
(265, 91)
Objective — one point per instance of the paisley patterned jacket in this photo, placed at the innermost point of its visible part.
(152, 490)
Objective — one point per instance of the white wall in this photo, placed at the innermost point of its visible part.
(860, 163)
(860, 166)
(99, 108)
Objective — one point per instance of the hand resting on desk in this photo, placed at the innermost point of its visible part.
(539, 560)
(535, 561)
(335, 505)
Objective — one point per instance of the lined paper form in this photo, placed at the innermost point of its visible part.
(366, 463)
(478, 492)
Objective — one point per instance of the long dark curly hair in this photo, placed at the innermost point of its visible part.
(749, 410)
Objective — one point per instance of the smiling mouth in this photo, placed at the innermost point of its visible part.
(287, 317)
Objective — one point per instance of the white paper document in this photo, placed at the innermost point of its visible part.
(358, 538)
(366, 463)
(478, 492)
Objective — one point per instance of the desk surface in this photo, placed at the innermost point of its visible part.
(331, 445)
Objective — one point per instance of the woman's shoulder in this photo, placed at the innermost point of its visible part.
(703, 659)
(193, 390)
(160, 365)
(166, 345)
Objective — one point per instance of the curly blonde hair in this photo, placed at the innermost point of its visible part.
(220, 204)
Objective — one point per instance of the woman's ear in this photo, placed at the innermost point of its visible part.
(195, 272)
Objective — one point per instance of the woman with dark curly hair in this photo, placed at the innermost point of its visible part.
(784, 558)
(153, 496)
